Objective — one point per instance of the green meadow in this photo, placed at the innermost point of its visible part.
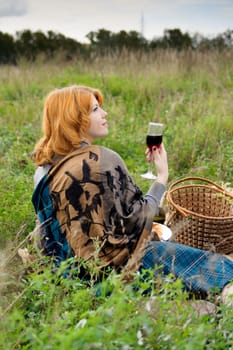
(192, 94)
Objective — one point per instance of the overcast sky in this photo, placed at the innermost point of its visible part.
(76, 18)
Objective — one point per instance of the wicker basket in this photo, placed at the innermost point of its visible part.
(200, 214)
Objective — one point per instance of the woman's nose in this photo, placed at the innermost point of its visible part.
(104, 113)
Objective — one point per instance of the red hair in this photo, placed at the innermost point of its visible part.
(65, 121)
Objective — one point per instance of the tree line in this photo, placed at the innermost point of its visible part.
(29, 45)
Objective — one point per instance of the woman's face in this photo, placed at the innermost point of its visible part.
(99, 126)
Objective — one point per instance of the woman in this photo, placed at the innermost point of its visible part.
(90, 207)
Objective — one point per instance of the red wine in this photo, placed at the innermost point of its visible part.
(154, 140)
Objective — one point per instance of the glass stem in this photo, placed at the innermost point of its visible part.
(150, 168)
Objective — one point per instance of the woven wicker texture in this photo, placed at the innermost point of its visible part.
(200, 214)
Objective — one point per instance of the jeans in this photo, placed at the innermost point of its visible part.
(201, 271)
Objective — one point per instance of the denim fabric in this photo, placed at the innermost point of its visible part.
(200, 271)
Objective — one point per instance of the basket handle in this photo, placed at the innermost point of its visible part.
(181, 210)
(178, 207)
(174, 184)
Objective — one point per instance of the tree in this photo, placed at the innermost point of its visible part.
(105, 41)
(175, 39)
(7, 49)
(25, 45)
(131, 40)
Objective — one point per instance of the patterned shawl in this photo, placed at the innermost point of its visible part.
(90, 207)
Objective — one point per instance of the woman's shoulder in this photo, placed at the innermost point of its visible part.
(105, 151)
(96, 152)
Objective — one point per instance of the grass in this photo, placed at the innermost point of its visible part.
(192, 94)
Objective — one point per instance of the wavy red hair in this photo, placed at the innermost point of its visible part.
(65, 121)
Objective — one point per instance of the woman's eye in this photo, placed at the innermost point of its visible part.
(95, 109)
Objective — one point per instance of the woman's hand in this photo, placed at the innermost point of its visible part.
(159, 157)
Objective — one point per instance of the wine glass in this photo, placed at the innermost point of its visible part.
(154, 138)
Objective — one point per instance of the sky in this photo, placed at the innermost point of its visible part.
(76, 18)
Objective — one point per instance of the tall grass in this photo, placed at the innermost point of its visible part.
(191, 92)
